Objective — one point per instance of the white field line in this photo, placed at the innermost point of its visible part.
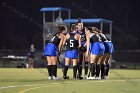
(58, 84)
(20, 86)
(70, 82)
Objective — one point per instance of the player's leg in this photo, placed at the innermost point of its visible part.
(86, 60)
(74, 68)
(54, 66)
(67, 61)
(98, 67)
(49, 67)
(93, 66)
(107, 64)
(109, 51)
(103, 66)
(30, 63)
(79, 65)
(50, 52)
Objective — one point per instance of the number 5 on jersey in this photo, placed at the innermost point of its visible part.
(71, 43)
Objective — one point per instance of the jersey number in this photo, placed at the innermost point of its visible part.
(71, 43)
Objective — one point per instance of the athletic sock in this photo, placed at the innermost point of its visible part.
(86, 68)
(102, 70)
(74, 71)
(49, 67)
(79, 67)
(54, 70)
(107, 69)
(98, 69)
(65, 71)
(80, 70)
(92, 69)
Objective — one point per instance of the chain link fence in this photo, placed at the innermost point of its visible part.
(121, 59)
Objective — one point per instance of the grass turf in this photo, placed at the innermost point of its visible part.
(13, 80)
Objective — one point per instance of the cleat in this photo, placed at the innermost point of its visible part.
(102, 77)
(90, 78)
(49, 77)
(65, 77)
(106, 77)
(79, 77)
(86, 76)
(97, 78)
(55, 78)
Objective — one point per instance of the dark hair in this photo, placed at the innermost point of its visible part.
(79, 21)
(96, 29)
(73, 27)
(61, 28)
(90, 29)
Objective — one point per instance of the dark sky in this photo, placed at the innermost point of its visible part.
(21, 20)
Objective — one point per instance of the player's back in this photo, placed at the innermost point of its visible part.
(72, 42)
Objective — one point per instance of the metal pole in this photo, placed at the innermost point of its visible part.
(111, 31)
(111, 40)
(101, 26)
(60, 13)
(53, 16)
(69, 13)
(44, 20)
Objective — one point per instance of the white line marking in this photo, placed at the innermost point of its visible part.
(21, 85)
(56, 84)
(70, 82)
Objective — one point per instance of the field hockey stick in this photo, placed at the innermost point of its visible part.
(60, 62)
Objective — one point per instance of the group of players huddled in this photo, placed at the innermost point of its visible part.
(83, 44)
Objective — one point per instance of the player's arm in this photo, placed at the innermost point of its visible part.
(88, 43)
(79, 40)
(65, 38)
(61, 42)
(87, 32)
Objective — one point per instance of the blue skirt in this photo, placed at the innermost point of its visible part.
(50, 50)
(72, 54)
(97, 48)
(108, 47)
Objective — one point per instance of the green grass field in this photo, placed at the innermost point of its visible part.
(14, 80)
